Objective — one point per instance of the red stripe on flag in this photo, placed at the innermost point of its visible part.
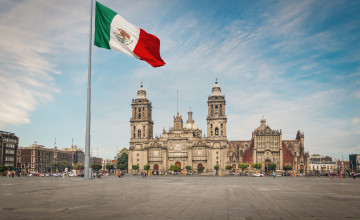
(148, 49)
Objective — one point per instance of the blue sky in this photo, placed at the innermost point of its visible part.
(294, 62)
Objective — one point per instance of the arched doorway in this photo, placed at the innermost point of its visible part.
(267, 165)
(233, 167)
(156, 167)
(199, 167)
(178, 164)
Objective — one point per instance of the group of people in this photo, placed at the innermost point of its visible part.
(9, 174)
(144, 174)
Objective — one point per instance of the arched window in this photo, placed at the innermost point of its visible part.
(216, 110)
(139, 133)
(216, 131)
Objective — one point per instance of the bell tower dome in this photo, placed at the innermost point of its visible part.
(141, 124)
(216, 119)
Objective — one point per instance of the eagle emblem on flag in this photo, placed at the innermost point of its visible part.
(122, 36)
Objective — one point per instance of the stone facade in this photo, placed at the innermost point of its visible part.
(267, 146)
(181, 145)
(184, 145)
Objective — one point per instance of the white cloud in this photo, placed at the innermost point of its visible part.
(29, 46)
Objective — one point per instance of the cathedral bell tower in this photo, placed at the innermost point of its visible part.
(216, 119)
(141, 124)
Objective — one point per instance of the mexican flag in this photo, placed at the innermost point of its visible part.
(113, 32)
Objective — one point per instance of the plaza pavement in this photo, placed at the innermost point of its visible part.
(179, 197)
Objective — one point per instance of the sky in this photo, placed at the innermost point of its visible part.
(297, 63)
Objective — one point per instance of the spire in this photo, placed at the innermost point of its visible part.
(263, 121)
(190, 120)
(141, 92)
(216, 90)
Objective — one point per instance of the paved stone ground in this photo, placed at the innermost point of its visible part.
(179, 197)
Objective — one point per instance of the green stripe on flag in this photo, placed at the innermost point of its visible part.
(103, 19)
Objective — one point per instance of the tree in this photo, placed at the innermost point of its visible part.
(287, 167)
(122, 167)
(228, 168)
(243, 166)
(216, 167)
(78, 166)
(201, 169)
(109, 167)
(123, 158)
(135, 167)
(272, 167)
(96, 167)
(4, 168)
(257, 165)
(146, 167)
(174, 167)
(188, 168)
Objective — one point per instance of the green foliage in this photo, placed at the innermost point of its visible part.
(4, 168)
(272, 166)
(287, 167)
(146, 167)
(174, 167)
(188, 167)
(123, 158)
(243, 166)
(96, 167)
(60, 166)
(78, 166)
(228, 167)
(135, 167)
(216, 167)
(201, 168)
(122, 167)
(109, 167)
(257, 165)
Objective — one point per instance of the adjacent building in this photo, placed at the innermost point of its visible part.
(185, 145)
(322, 164)
(39, 159)
(78, 156)
(8, 148)
(354, 160)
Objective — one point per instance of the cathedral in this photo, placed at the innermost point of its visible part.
(185, 145)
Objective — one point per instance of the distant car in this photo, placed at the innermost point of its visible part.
(72, 174)
(258, 175)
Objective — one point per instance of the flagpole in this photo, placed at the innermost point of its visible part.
(87, 174)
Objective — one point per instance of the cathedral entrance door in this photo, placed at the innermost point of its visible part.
(178, 164)
(233, 167)
(267, 165)
(156, 167)
(199, 167)
(301, 168)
